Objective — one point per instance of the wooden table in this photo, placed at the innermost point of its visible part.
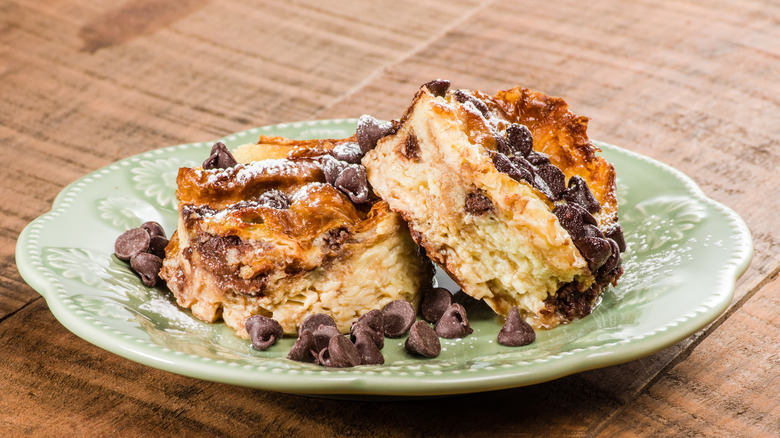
(695, 84)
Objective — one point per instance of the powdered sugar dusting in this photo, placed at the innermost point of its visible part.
(469, 107)
(243, 173)
(216, 216)
(305, 192)
(496, 124)
(332, 168)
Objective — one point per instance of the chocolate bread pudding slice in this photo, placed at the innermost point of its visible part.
(290, 231)
(506, 193)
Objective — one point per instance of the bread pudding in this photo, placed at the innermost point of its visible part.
(507, 194)
(287, 229)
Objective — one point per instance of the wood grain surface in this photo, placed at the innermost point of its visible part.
(695, 84)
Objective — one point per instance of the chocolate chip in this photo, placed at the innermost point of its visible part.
(614, 258)
(370, 131)
(398, 317)
(349, 152)
(502, 145)
(350, 179)
(147, 266)
(361, 329)
(411, 149)
(570, 219)
(153, 228)
(304, 349)
(554, 178)
(157, 246)
(374, 319)
(525, 167)
(579, 193)
(315, 320)
(478, 204)
(595, 250)
(589, 230)
(587, 218)
(537, 158)
(438, 87)
(463, 97)
(367, 348)
(322, 335)
(454, 323)
(340, 353)
(220, 157)
(373, 322)
(263, 331)
(615, 232)
(434, 303)
(332, 168)
(516, 332)
(131, 242)
(353, 183)
(540, 184)
(519, 139)
(336, 237)
(274, 199)
(504, 165)
(422, 340)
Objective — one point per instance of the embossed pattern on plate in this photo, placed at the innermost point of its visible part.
(685, 252)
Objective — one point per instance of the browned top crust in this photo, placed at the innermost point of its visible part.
(562, 136)
(273, 163)
(316, 223)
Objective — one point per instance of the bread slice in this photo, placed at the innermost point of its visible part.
(507, 194)
(280, 235)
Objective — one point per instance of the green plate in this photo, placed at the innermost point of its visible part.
(685, 252)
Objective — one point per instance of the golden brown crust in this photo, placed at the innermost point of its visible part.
(223, 187)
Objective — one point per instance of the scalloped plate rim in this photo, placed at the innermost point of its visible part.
(341, 382)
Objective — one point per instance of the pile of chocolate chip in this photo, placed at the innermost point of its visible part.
(144, 248)
(320, 342)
